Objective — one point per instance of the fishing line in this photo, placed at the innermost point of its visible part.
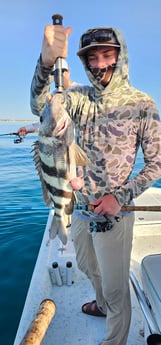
(25, 208)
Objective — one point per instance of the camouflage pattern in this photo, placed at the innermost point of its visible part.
(111, 124)
(40, 87)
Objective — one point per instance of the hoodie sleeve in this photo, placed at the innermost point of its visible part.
(150, 141)
(40, 87)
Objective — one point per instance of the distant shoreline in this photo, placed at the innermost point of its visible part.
(7, 120)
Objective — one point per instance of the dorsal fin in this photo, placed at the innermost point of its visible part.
(37, 162)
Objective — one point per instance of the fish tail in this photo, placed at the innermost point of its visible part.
(58, 227)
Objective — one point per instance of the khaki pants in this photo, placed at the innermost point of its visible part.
(105, 258)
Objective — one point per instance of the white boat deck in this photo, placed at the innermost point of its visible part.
(70, 325)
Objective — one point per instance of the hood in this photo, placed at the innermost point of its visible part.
(121, 71)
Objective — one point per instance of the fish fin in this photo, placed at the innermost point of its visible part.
(75, 200)
(58, 227)
(37, 162)
(70, 207)
(46, 196)
(80, 156)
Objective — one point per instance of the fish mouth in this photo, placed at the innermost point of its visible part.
(59, 130)
(62, 127)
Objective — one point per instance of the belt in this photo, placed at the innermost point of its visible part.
(81, 207)
(106, 226)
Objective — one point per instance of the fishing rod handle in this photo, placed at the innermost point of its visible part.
(57, 19)
(58, 73)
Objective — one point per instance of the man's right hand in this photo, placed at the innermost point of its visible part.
(22, 131)
(55, 44)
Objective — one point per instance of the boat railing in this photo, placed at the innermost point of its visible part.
(154, 337)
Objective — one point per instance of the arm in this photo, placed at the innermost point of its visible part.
(34, 127)
(55, 44)
(40, 87)
(150, 140)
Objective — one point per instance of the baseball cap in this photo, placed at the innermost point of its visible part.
(96, 38)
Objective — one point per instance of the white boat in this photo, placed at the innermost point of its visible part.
(56, 277)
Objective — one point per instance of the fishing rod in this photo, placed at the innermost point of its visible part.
(129, 208)
(4, 134)
(154, 208)
(17, 140)
(58, 73)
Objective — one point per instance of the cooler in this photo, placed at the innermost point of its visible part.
(151, 282)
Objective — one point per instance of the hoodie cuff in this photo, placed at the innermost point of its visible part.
(43, 72)
(123, 196)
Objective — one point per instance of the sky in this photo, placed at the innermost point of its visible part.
(22, 25)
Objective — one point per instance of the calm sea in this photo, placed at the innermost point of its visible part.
(21, 231)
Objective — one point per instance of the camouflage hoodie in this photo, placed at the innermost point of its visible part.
(111, 123)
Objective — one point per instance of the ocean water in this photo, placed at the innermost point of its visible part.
(21, 230)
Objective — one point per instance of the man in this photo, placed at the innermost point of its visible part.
(112, 119)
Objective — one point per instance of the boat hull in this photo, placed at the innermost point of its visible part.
(69, 288)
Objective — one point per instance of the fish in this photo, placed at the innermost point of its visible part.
(56, 156)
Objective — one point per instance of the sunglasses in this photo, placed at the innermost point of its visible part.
(97, 36)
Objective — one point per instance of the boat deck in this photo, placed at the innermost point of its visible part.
(70, 325)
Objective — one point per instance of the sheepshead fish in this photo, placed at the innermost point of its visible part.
(56, 156)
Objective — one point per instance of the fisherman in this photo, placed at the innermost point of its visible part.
(112, 119)
(34, 127)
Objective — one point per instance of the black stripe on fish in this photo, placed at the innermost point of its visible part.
(68, 208)
(55, 147)
(53, 171)
(58, 206)
(58, 192)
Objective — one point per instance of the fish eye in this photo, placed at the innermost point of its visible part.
(41, 118)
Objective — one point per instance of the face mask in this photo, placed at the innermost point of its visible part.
(99, 73)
